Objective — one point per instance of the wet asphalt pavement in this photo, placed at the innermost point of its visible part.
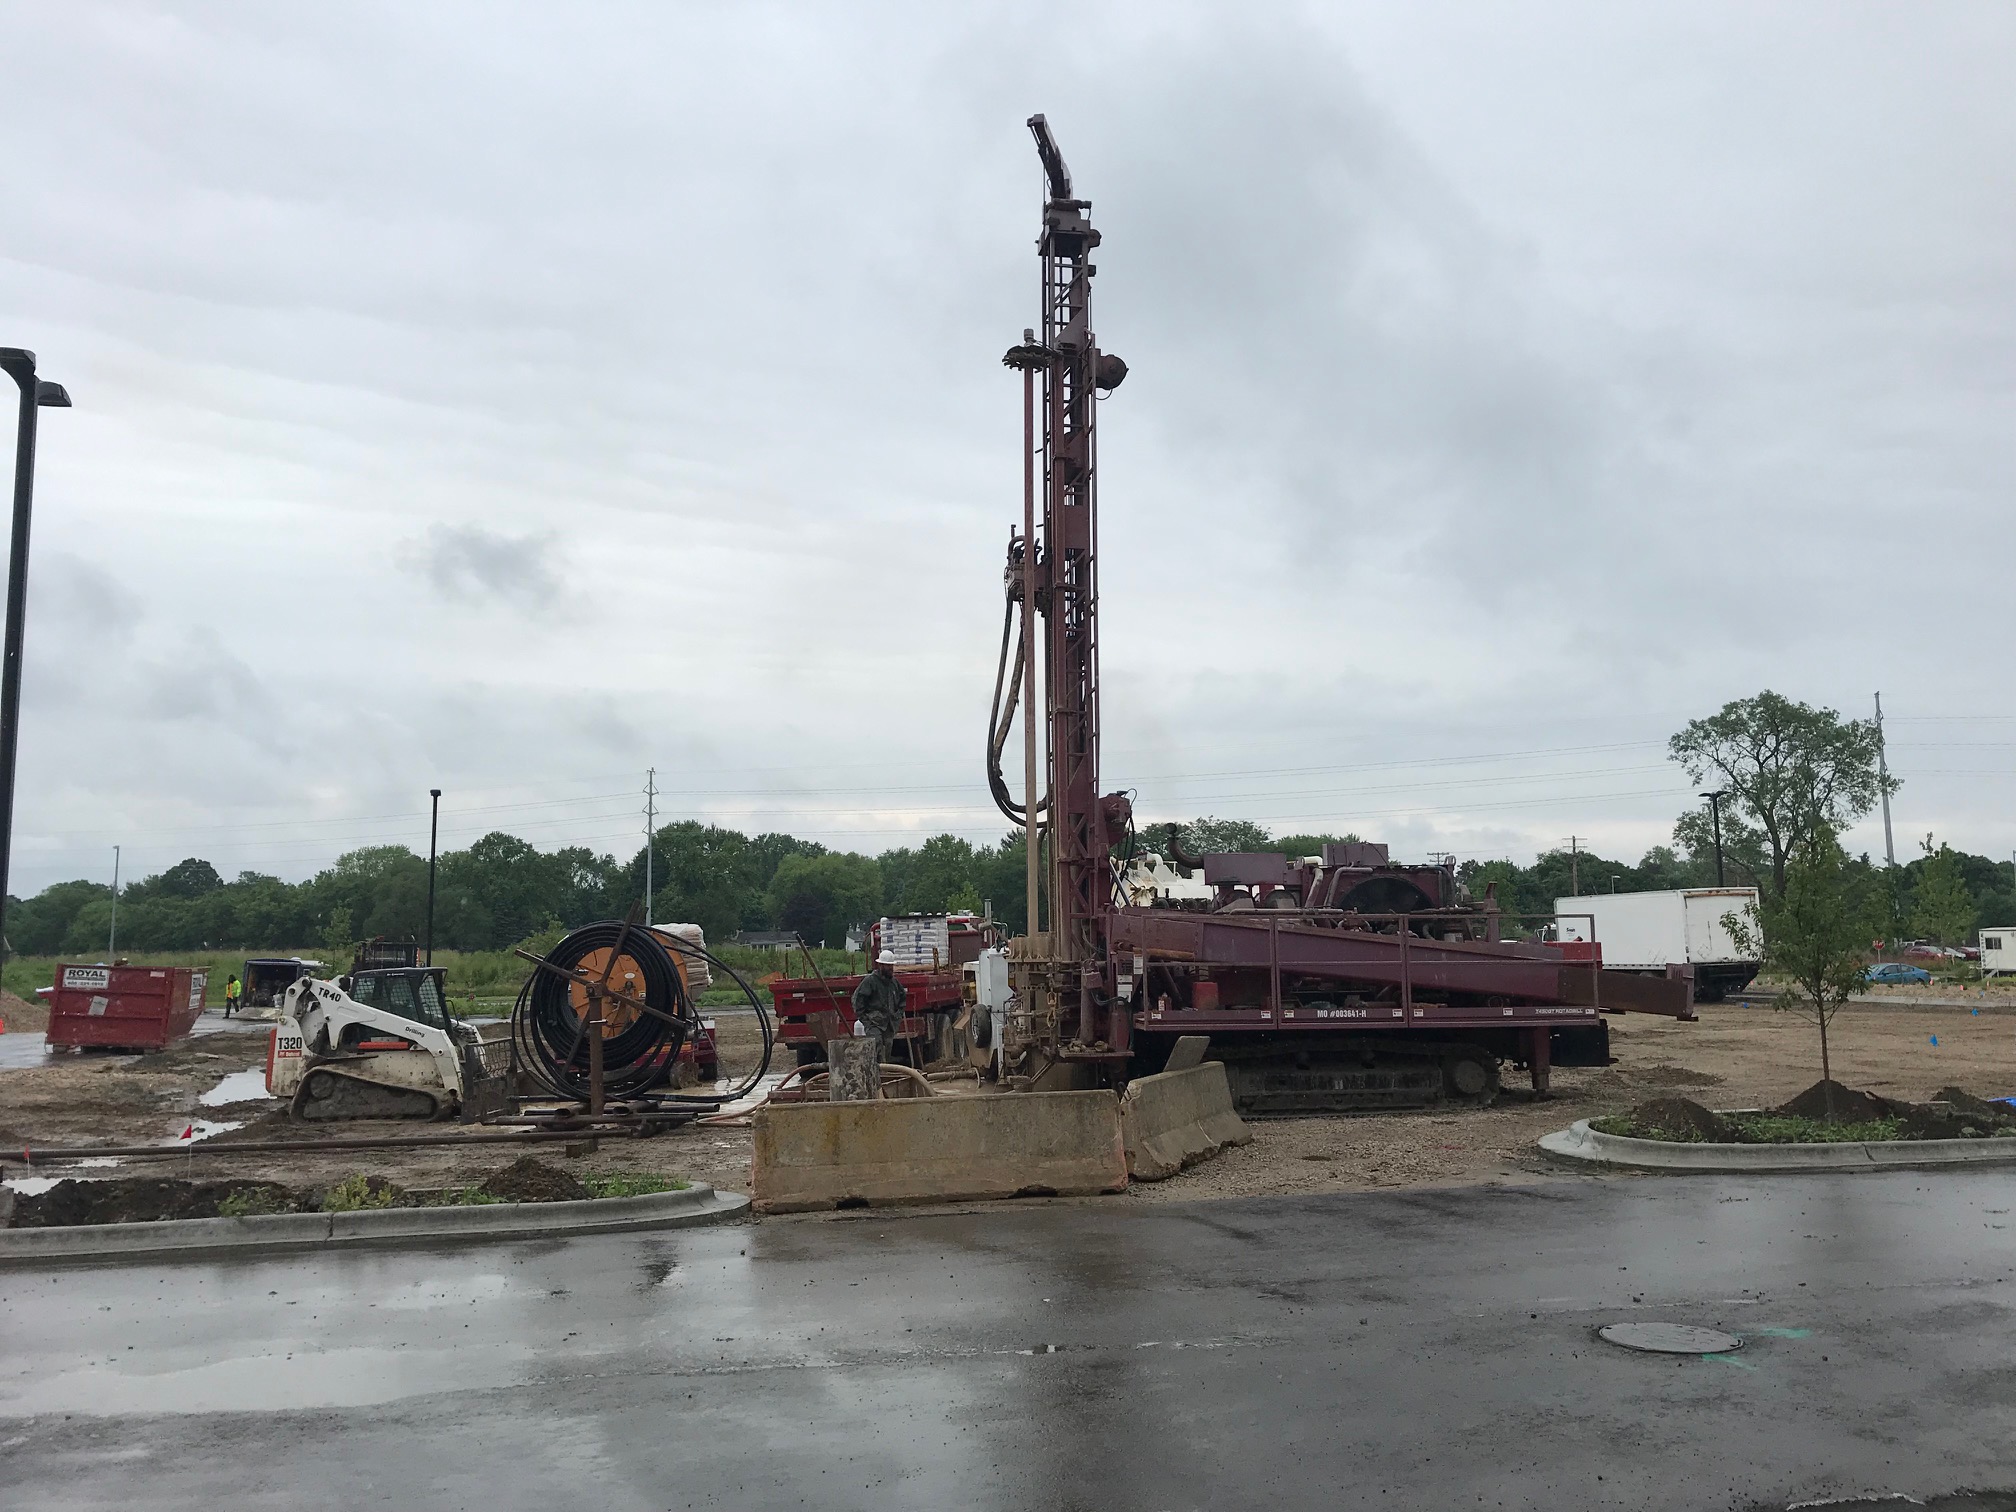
(1428, 1349)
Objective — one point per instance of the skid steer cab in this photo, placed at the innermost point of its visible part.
(379, 1044)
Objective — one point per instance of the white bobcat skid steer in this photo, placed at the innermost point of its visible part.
(335, 1057)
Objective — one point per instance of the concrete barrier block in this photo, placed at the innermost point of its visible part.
(937, 1149)
(1177, 1118)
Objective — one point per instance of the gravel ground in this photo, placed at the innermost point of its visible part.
(1733, 1056)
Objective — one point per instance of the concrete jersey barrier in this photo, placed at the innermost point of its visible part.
(937, 1149)
(1177, 1118)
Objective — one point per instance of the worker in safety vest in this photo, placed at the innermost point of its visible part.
(878, 1004)
(232, 993)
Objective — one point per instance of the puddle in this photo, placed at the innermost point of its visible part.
(20, 1050)
(444, 1291)
(761, 1091)
(216, 1023)
(281, 1381)
(239, 1087)
(35, 1186)
(202, 1128)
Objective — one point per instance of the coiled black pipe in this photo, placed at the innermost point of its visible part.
(549, 1038)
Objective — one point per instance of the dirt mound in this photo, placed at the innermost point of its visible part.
(1678, 1118)
(1676, 1076)
(1849, 1105)
(21, 1016)
(1967, 1105)
(149, 1199)
(529, 1180)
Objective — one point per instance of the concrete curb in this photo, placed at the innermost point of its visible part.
(1582, 1145)
(489, 1224)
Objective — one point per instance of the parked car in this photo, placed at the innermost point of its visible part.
(1894, 972)
(1926, 952)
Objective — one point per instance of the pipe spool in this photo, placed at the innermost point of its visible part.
(627, 975)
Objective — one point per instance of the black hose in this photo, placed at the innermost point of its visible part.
(549, 1038)
(1001, 719)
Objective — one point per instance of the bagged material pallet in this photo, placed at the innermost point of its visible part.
(698, 977)
(913, 939)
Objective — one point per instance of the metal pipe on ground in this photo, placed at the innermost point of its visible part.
(32, 1156)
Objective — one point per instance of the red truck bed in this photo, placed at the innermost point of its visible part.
(809, 1012)
(124, 1007)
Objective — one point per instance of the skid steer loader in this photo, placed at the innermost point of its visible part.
(381, 1044)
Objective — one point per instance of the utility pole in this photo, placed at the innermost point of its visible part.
(1715, 809)
(1574, 866)
(1883, 771)
(433, 842)
(112, 935)
(36, 393)
(650, 834)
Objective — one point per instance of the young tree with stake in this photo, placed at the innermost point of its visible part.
(1814, 935)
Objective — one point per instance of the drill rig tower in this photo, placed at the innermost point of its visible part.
(1341, 982)
(1053, 576)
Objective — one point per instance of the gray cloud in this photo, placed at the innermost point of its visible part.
(472, 564)
(1500, 384)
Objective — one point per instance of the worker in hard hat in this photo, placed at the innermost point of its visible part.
(878, 1004)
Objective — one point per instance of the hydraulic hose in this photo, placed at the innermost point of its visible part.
(549, 1035)
(1002, 718)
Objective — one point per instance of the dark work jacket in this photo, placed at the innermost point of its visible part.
(880, 999)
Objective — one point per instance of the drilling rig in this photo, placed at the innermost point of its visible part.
(1333, 983)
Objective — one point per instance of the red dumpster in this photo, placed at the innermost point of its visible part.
(124, 1007)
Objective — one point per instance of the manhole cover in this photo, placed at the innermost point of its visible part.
(1670, 1338)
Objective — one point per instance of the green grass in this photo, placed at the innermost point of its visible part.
(464, 1197)
(1764, 1128)
(251, 1203)
(631, 1184)
(355, 1194)
(481, 983)
(1778, 1128)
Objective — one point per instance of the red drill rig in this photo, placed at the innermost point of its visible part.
(1339, 982)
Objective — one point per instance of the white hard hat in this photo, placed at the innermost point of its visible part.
(885, 959)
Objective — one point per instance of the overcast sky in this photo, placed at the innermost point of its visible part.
(512, 397)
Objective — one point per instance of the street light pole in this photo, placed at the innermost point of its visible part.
(36, 393)
(433, 839)
(1715, 808)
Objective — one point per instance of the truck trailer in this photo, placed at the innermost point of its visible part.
(1650, 932)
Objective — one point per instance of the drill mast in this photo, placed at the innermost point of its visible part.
(1065, 964)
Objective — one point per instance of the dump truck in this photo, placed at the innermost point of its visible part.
(932, 954)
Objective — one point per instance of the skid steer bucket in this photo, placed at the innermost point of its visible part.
(937, 1149)
(488, 1080)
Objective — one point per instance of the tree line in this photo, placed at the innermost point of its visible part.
(1793, 777)
(502, 890)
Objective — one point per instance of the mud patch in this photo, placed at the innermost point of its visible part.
(1678, 1118)
(151, 1199)
(1847, 1105)
(530, 1180)
(1675, 1076)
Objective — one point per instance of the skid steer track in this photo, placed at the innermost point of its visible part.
(328, 1093)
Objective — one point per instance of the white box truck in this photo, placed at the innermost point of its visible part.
(1650, 931)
